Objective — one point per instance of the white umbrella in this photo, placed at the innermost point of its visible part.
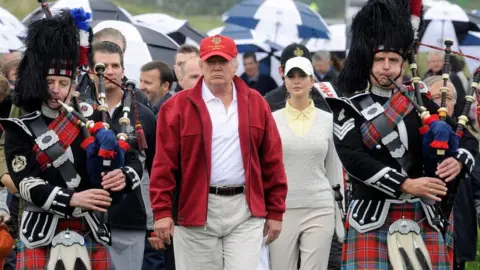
(9, 41)
(436, 34)
(337, 41)
(445, 20)
(446, 11)
(11, 22)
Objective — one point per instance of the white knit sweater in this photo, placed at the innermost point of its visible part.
(311, 162)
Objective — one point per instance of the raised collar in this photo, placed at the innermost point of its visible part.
(49, 113)
(307, 113)
(381, 92)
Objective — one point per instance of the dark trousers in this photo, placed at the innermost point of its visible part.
(169, 257)
(152, 259)
(335, 257)
(11, 261)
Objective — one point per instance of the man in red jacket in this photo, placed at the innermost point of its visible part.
(218, 169)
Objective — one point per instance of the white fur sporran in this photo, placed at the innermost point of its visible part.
(68, 248)
(406, 249)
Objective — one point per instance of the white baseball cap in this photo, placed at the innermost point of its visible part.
(299, 62)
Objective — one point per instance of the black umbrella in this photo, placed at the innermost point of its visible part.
(101, 10)
(143, 45)
(179, 30)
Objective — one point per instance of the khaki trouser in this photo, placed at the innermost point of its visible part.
(306, 232)
(231, 240)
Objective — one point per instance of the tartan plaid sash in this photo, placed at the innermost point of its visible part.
(66, 132)
(395, 109)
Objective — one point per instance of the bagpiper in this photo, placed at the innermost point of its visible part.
(46, 159)
(391, 221)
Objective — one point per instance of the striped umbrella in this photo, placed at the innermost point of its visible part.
(278, 17)
(247, 40)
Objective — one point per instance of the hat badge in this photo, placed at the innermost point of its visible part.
(216, 40)
(298, 52)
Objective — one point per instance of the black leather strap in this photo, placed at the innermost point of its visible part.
(381, 124)
(227, 191)
(55, 151)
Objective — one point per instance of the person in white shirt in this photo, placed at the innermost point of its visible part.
(312, 167)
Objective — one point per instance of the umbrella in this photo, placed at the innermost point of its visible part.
(143, 45)
(247, 40)
(337, 41)
(471, 45)
(11, 22)
(272, 17)
(179, 30)
(446, 20)
(101, 10)
(8, 40)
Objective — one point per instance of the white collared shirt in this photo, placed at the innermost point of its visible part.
(227, 164)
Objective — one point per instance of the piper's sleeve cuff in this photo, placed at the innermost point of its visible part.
(132, 178)
(466, 158)
(58, 202)
(388, 181)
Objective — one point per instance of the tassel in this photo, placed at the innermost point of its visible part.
(79, 265)
(421, 257)
(437, 144)
(142, 142)
(424, 129)
(406, 259)
(59, 265)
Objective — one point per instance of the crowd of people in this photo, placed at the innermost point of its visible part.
(198, 168)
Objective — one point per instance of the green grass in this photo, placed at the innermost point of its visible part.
(476, 264)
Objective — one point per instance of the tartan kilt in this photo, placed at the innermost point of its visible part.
(37, 258)
(369, 250)
(449, 238)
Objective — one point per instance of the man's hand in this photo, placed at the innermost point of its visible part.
(425, 187)
(114, 180)
(164, 229)
(449, 169)
(92, 199)
(272, 228)
(157, 243)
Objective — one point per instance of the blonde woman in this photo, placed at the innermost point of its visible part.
(312, 165)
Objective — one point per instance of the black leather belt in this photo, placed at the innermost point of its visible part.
(227, 191)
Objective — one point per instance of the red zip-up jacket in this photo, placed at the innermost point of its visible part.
(183, 157)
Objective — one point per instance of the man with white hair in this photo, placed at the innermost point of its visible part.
(436, 61)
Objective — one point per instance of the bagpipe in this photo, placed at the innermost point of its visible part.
(440, 137)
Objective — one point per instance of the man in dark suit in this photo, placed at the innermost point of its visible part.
(323, 68)
(260, 82)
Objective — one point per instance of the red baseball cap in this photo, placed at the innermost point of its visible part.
(218, 46)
